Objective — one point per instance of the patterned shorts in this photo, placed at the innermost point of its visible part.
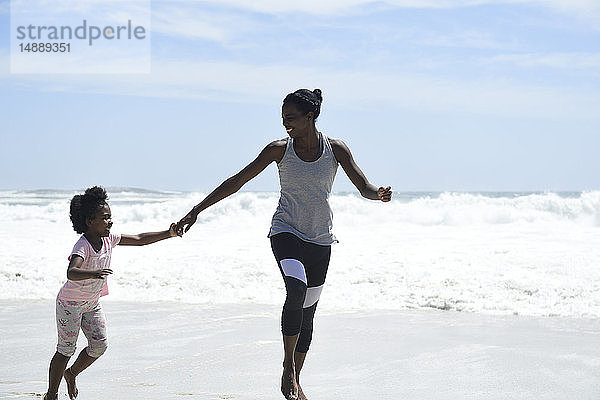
(85, 315)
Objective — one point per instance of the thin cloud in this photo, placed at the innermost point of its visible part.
(233, 82)
(467, 39)
(585, 9)
(550, 60)
(335, 7)
(225, 20)
(93, 8)
(193, 22)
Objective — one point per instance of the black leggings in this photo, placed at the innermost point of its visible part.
(303, 266)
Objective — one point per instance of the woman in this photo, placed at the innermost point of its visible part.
(301, 230)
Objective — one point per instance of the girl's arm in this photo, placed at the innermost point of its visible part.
(367, 190)
(143, 239)
(272, 152)
(74, 272)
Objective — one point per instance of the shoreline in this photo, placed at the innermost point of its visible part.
(169, 350)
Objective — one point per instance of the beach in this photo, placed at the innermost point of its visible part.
(166, 350)
(432, 296)
(437, 157)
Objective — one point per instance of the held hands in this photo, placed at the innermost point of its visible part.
(173, 230)
(384, 194)
(186, 222)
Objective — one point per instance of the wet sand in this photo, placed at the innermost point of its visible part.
(186, 351)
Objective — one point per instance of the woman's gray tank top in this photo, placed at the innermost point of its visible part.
(304, 202)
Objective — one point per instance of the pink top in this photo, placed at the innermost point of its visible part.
(90, 289)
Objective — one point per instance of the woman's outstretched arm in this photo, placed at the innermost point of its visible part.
(272, 152)
(357, 177)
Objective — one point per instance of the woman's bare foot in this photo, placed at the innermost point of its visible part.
(289, 387)
(301, 395)
(71, 385)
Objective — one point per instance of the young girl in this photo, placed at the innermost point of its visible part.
(77, 303)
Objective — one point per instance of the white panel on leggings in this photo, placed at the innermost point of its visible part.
(312, 296)
(293, 268)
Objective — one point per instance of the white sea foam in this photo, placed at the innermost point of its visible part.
(532, 254)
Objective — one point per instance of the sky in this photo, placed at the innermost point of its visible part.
(466, 95)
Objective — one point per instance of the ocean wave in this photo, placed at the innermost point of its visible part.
(461, 209)
(509, 253)
(453, 209)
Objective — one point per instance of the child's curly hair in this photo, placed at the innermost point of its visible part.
(85, 206)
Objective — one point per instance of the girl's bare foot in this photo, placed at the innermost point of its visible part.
(71, 385)
(289, 387)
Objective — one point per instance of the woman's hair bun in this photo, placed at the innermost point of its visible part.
(319, 94)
